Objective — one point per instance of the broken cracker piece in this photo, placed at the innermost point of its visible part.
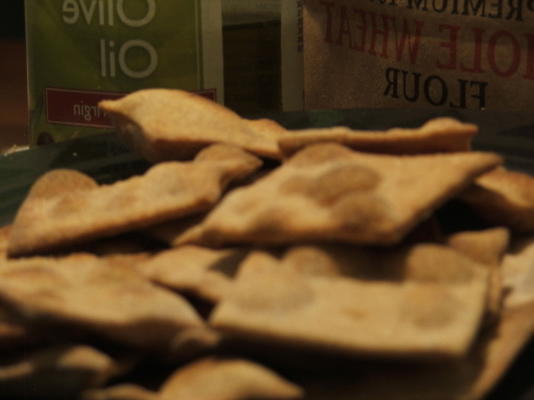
(330, 193)
(166, 124)
(503, 197)
(201, 271)
(438, 135)
(227, 379)
(4, 236)
(120, 392)
(166, 191)
(62, 371)
(97, 295)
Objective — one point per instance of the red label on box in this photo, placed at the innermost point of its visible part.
(80, 108)
(76, 107)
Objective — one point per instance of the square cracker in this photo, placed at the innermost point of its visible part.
(328, 192)
(165, 124)
(166, 191)
(504, 198)
(431, 315)
(99, 296)
(436, 136)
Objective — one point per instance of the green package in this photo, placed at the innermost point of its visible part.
(83, 51)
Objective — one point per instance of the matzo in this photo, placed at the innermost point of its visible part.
(164, 124)
(166, 191)
(412, 318)
(227, 379)
(436, 136)
(328, 192)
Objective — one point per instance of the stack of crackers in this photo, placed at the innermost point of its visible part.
(253, 262)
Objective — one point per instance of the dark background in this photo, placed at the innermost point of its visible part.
(12, 20)
(13, 104)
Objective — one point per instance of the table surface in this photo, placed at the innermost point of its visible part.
(13, 103)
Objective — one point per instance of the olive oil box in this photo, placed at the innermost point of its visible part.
(83, 51)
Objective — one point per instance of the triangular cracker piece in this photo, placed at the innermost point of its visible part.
(328, 192)
(59, 372)
(106, 298)
(165, 124)
(434, 314)
(227, 379)
(166, 191)
(505, 198)
(204, 272)
(436, 136)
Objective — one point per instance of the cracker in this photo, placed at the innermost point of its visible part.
(4, 235)
(504, 198)
(328, 192)
(179, 232)
(470, 378)
(201, 271)
(432, 315)
(13, 333)
(109, 299)
(164, 124)
(227, 379)
(125, 391)
(488, 247)
(166, 191)
(435, 136)
(418, 263)
(518, 273)
(58, 372)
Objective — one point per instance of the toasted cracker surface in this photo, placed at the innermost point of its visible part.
(205, 272)
(120, 392)
(487, 247)
(4, 237)
(430, 316)
(436, 136)
(165, 124)
(505, 198)
(328, 192)
(229, 379)
(110, 299)
(166, 191)
(58, 372)
(470, 378)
